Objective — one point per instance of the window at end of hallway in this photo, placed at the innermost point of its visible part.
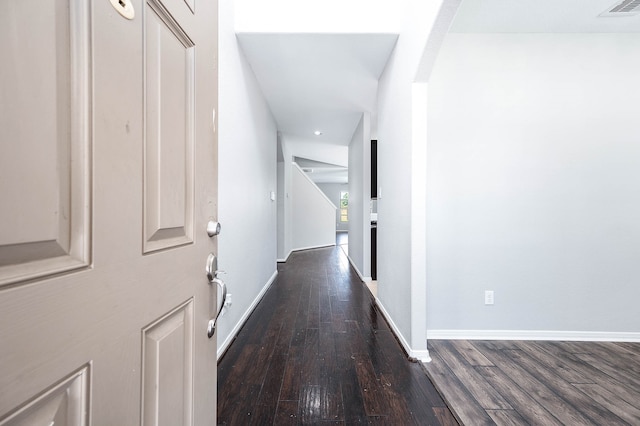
(344, 204)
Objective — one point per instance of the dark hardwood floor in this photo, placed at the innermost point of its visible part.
(538, 383)
(316, 350)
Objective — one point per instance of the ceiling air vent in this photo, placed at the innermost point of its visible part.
(625, 8)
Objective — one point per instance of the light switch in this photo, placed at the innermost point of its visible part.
(272, 195)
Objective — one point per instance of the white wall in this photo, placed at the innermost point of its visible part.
(313, 215)
(395, 153)
(285, 218)
(360, 197)
(533, 160)
(332, 191)
(247, 175)
(281, 193)
(317, 151)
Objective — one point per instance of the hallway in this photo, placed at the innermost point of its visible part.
(316, 350)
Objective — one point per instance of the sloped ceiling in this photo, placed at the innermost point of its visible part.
(318, 82)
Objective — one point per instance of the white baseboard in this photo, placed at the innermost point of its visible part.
(285, 258)
(302, 249)
(569, 336)
(225, 345)
(422, 355)
(355, 268)
(314, 247)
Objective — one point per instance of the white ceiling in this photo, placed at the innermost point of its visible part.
(324, 81)
(318, 81)
(541, 16)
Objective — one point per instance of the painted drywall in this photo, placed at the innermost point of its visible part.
(360, 198)
(395, 163)
(247, 175)
(332, 191)
(324, 151)
(313, 215)
(533, 159)
(282, 254)
(284, 195)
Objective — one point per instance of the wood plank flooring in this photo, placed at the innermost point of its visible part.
(316, 350)
(538, 383)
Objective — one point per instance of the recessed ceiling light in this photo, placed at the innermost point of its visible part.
(317, 133)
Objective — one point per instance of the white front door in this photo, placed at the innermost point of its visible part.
(108, 158)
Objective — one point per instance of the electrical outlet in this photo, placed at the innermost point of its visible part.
(488, 297)
(226, 306)
(228, 302)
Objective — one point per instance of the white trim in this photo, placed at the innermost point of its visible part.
(418, 219)
(304, 248)
(355, 268)
(312, 247)
(420, 355)
(285, 258)
(225, 345)
(571, 336)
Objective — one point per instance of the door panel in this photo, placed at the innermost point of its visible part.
(66, 404)
(44, 226)
(168, 347)
(106, 328)
(169, 138)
